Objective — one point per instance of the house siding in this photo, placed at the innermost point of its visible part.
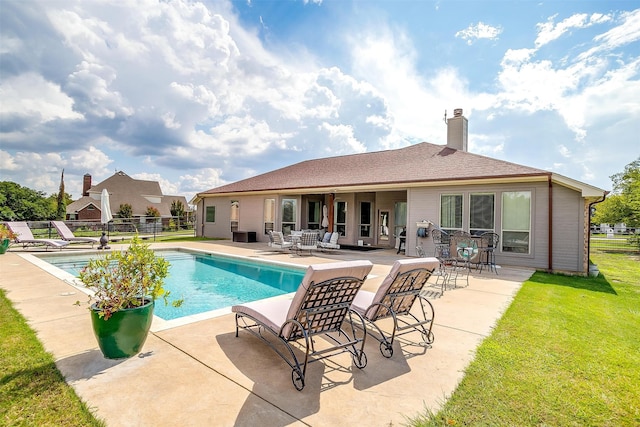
(424, 204)
(568, 230)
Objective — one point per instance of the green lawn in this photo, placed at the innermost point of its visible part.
(32, 390)
(565, 353)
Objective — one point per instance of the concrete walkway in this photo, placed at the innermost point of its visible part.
(200, 374)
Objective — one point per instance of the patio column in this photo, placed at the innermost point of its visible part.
(331, 198)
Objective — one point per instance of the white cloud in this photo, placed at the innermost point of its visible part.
(479, 31)
(31, 95)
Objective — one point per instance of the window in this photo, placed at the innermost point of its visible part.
(481, 213)
(313, 215)
(340, 224)
(289, 210)
(269, 214)
(211, 214)
(365, 219)
(451, 212)
(516, 221)
(235, 214)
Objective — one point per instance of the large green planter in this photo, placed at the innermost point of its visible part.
(4, 245)
(124, 333)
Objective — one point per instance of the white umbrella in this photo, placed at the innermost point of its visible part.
(325, 218)
(105, 207)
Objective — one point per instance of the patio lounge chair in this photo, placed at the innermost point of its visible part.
(320, 307)
(24, 236)
(395, 298)
(68, 235)
(279, 242)
(332, 243)
(308, 242)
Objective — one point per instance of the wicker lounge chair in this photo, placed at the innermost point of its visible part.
(320, 307)
(395, 298)
(68, 235)
(25, 237)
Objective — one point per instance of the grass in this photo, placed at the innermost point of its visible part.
(565, 353)
(32, 390)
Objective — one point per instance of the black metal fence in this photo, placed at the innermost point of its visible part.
(119, 228)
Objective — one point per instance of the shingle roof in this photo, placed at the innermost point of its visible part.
(423, 162)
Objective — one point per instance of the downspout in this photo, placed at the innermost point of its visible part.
(604, 196)
(550, 221)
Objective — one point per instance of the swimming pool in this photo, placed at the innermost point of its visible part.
(207, 281)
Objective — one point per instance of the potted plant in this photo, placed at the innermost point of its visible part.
(6, 236)
(125, 285)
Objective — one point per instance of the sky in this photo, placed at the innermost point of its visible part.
(198, 94)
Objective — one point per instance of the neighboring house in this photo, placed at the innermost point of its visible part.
(542, 217)
(140, 194)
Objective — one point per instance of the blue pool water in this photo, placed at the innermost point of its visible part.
(208, 282)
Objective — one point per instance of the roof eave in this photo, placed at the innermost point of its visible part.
(389, 186)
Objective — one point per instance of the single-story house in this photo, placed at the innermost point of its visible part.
(122, 189)
(542, 218)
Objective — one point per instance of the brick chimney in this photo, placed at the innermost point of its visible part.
(86, 184)
(457, 131)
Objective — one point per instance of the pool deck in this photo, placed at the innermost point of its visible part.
(199, 373)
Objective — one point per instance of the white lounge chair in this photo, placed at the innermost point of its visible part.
(332, 243)
(279, 242)
(68, 235)
(320, 307)
(308, 242)
(24, 236)
(394, 298)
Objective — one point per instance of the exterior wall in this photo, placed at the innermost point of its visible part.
(568, 229)
(89, 214)
(385, 201)
(424, 204)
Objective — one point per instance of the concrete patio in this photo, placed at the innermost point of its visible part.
(199, 373)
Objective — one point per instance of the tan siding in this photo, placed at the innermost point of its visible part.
(424, 203)
(567, 229)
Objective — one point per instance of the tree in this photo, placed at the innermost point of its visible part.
(152, 212)
(125, 211)
(177, 210)
(18, 203)
(61, 206)
(623, 205)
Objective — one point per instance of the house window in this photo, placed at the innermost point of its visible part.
(365, 219)
(289, 210)
(481, 213)
(91, 208)
(313, 215)
(235, 215)
(269, 214)
(340, 215)
(451, 212)
(210, 214)
(400, 216)
(516, 221)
